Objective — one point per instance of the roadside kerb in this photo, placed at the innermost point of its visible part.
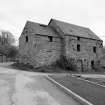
(71, 93)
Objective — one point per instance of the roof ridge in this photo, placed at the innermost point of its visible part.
(70, 23)
(79, 30)
(36, 23)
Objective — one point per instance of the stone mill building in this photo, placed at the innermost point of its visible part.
(43, 44)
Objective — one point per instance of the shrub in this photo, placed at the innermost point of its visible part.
(97, 66)
(66, 63)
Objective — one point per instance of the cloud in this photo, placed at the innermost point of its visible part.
(89, 13)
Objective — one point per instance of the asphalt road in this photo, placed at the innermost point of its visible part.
(91, 92)
(28, 88)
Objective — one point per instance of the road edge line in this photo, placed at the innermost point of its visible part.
(95, 83)
(72, 94)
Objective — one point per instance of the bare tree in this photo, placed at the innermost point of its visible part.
(7, 38)
(6, 44)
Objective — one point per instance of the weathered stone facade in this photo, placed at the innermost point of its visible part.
(40, 49)
(43, 45)
(86, 54)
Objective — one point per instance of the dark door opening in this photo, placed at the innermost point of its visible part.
(79, 65)
(92, 64)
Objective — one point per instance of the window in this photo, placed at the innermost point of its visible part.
(26, 38)
(78, 47)
(94, 49)
(78, 38)
(85, 60)
(101, 45)
(50, 38)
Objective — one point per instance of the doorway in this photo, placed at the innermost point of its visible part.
(79, 65)
(92, 64)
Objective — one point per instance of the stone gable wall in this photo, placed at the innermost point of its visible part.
(40, 50)
(86, 54)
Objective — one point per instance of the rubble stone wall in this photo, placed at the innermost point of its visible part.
(86, 54)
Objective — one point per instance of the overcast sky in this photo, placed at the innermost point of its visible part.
(88, 13)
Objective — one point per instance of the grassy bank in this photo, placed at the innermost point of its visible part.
(44, 69)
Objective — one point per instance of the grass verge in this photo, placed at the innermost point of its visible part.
(44, 69)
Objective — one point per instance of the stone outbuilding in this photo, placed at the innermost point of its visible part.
(43, 44)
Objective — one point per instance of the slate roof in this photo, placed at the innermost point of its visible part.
(67, 29)
(71, 29)
(40, 29)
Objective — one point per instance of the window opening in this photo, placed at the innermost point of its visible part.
(78, 38)
(26, 38)
(78, 47)
(50, 38)
(94, 49)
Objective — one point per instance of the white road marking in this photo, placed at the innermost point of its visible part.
(95, 83)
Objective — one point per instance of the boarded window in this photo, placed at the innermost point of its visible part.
(26, 38)
(50, 38)
(94, 49)
(78, 47)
